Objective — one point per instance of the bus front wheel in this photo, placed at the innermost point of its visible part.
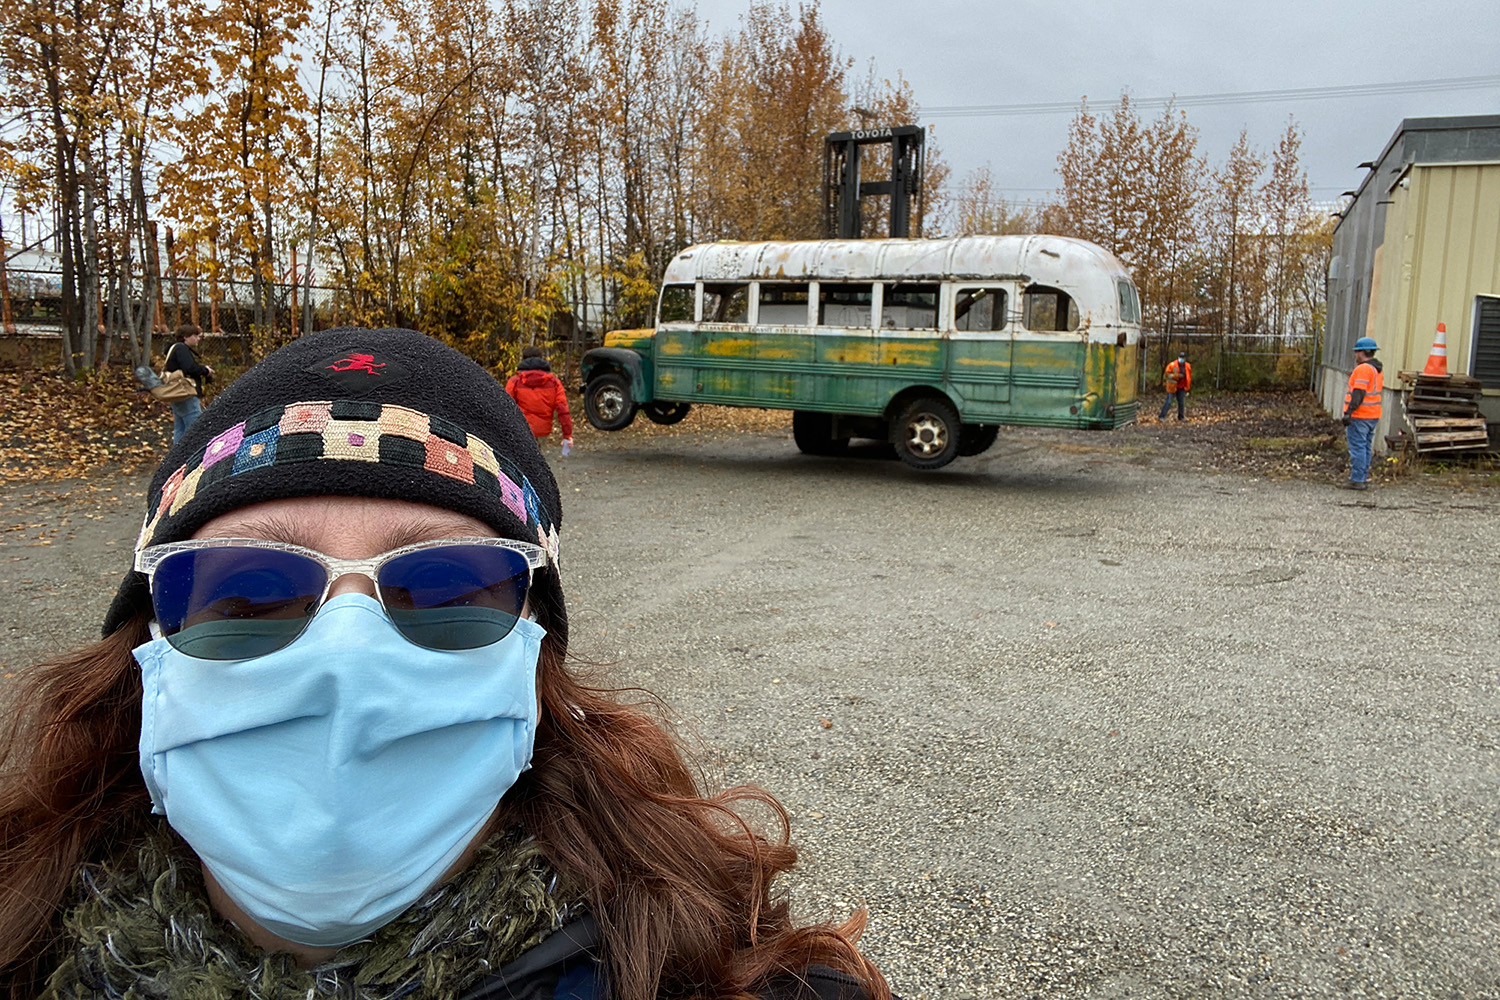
(607, 403)
(926, 433)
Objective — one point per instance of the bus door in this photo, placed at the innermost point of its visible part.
(1049, 354)
(1128, 352)
(676, 317)
(695, 362)
(980, 349)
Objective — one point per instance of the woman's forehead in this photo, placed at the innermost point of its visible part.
(338, 526)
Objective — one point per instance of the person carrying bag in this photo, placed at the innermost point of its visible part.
(181, 380)
(169, 387)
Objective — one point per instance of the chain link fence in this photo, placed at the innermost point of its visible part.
(223, 307)
(1233, 363)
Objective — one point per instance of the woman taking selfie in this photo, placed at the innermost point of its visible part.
(330, 744)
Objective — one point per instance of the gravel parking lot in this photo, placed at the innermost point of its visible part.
(1076, 718)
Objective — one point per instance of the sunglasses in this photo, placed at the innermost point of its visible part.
(238, 598)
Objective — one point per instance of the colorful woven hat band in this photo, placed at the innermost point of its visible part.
(352, 431)
(388, 414)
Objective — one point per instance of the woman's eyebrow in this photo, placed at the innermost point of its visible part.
(288, 531)
(426, 530)
(272, 529)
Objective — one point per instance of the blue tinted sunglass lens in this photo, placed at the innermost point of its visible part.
(235, 603)
(455, 596)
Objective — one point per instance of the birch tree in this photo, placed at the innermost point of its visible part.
(1231, 250)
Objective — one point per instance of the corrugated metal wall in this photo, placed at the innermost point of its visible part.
(1452, 231)
(1420, 240)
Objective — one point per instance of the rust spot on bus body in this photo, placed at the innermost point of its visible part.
(726, 347)
(973, 361)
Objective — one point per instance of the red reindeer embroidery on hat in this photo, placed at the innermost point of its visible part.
(357, 363)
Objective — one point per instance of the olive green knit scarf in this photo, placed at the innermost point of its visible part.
(147, 931)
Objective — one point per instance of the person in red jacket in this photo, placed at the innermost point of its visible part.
(540, 394)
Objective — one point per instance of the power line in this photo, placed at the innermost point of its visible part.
(1009, 187)
(1229, 97)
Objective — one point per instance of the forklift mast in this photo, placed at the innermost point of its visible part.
(843, 189)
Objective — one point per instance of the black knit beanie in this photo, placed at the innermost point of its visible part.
(391, 414)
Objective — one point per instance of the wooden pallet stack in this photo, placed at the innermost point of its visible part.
(1443, 412)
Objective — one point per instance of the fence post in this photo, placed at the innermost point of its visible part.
(193, 305)
(295, 283)
(213, 286)
(172, 273)
(5, 315)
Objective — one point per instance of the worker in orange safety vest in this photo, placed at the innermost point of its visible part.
(1177, 379)
(1362, 412)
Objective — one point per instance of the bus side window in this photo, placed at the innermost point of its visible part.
(783, 303)
(726, 303)
(844, 305)
(1049, 309)
(676, 304)
(977, 309)
(909, 306)
(1130, 305)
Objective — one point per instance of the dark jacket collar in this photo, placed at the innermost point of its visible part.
(572, 954)
(535, 975)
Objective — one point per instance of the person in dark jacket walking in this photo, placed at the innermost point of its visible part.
(540, 395)
(180, 358)
(331, 744)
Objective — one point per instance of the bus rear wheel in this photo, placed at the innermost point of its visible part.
(607, 403)
(813, 433)
(976, 439)
(666, 413)
(926, 432)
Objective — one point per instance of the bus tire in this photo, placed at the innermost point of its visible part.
(926, 433)
(607, 402)
(976, 439)
(813, 433)
(666, 413)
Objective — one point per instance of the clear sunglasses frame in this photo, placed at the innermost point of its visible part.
(147, 560)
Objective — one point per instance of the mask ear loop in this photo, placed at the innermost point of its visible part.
(155, 627)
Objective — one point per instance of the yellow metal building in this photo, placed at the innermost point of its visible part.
(1419, 246)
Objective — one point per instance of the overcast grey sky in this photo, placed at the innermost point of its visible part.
(970, 52)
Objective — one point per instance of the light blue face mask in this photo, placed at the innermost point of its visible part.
(328, 785)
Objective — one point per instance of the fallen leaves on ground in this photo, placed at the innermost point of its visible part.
(1278, 435)
(54, 427)
(701, 420)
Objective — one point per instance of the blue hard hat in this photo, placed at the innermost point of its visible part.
(1366, 344)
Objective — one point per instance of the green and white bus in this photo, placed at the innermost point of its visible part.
(929, 344)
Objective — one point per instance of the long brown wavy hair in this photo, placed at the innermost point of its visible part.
(679, 881)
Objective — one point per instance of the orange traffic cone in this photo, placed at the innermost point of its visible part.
(1437, 361)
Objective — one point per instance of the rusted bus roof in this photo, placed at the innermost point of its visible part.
(1047, 260)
